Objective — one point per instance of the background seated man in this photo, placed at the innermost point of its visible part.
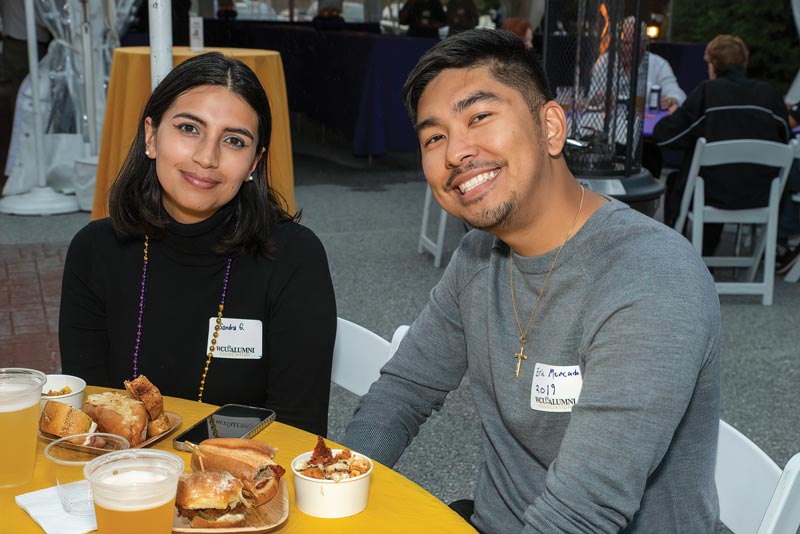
(589, 332)
(659, 71)
(424, 18)
(727, 106)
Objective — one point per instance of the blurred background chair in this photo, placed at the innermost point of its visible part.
(359, 354)
(434, 245)
(694, 208)
(755, 496)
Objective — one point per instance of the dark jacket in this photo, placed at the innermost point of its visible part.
(732, 106)
(424, 18)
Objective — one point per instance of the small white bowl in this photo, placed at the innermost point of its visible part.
(56, 383)
(329, 499)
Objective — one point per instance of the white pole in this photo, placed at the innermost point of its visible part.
(160, 12)
(33, 67)
(88, 79)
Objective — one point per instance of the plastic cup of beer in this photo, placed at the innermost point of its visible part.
(134, 490)
(69, 456)
(20, 390)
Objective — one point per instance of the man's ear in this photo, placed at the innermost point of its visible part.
(554, 123)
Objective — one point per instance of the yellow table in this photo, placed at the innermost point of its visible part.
(395, 503)
(129, 89)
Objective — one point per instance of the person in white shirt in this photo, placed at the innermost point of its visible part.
(658, 72)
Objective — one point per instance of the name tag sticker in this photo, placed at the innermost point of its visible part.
(239, 339)
(555, 388)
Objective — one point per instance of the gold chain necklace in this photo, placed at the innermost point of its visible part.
(523, 336)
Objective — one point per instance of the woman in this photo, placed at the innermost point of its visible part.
(196, 235)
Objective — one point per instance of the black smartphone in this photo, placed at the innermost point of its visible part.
(228, 421)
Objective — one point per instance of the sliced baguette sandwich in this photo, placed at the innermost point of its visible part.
(248, 460)
(60, 419)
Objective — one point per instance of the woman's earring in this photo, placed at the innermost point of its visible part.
(146, 152)
(250, 178)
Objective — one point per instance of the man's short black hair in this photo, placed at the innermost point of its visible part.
(502, 52)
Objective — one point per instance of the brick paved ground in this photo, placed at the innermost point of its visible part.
(30, 290)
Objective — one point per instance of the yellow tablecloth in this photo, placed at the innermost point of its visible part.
(129, 89)
(395, 503)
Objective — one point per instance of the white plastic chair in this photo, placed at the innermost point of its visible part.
(359, 355)
(794, 273)
(427, 243)
(755, 496)
(738, 151)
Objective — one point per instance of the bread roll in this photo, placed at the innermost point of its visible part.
(211, 499)
(144, 390)
(117, 414)
(61, 420)
(158, 426)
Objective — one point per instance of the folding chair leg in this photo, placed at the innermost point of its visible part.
(435, 247)
(794, 273)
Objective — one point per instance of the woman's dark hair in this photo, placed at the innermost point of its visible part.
(135, 199)
(505, 55)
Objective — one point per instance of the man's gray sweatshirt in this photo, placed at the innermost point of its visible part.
(612, 423)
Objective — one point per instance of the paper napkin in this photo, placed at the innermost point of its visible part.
(45, 508)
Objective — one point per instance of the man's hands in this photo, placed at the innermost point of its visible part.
(669, 103)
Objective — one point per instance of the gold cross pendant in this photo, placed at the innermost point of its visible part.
(519, 356)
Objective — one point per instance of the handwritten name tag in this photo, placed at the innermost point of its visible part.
(239, 339)
(555, 388)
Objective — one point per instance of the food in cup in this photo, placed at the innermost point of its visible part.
(330, 483)
(324, 465)
(20, 391)
(66, 390)
(117, 414)
(134, 491)
(248, 460)
(211, 499)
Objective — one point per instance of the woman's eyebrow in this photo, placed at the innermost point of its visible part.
(241, 131)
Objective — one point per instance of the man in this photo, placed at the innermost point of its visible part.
(423, 17)
(727, 106)
(590, 332)
(461, 15)
(658, 71)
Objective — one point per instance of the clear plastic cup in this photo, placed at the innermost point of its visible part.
(69, 456)
(20, 390)
(134, 490)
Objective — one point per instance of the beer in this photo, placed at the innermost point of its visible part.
(134, 491)
(20, 391)
(155, 520)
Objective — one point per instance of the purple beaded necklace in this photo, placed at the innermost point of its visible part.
(211, 348)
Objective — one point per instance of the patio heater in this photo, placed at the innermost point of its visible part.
(593, 54)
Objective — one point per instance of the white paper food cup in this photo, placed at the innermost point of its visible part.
(329, 499)
(57, 382)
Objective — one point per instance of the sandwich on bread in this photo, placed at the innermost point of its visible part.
(211, 499)
(117, 414)
(248, 460)
(60, 419)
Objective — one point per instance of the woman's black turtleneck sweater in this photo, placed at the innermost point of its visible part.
(290, 293)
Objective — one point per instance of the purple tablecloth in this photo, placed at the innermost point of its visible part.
(650, 120)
